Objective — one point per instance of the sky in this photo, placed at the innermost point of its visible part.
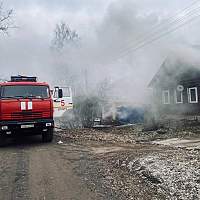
(106, 28)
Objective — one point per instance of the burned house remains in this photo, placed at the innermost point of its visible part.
(176, 87)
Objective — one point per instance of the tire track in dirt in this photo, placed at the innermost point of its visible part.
(21, 188)
(7, 173)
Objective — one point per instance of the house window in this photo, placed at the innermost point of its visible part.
(192, 95)
(166, 97)
(178, 96)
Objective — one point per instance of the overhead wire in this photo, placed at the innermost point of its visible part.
(170, 20)
(182, 21)
(169, 30)
(171, 25)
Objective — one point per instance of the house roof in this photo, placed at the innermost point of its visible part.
(176, 65)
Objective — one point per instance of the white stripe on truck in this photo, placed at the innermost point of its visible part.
(23, 105)
(30, 105)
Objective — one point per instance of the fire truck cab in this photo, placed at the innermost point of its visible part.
(62, 100)
(26, 106)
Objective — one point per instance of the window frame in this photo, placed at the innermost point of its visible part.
(189, 95)
(163, 97)
(55, 92)
(175, 96)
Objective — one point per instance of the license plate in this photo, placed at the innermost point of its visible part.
(27, 126)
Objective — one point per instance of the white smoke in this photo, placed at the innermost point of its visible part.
(105, 29)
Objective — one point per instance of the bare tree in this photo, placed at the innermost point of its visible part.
(103, 89)
(5, 19)
(64, 35)
(86, 109)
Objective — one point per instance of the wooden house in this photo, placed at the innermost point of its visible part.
(176, 87)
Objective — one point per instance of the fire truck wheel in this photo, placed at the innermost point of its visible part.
(2, 140)
(47, 136)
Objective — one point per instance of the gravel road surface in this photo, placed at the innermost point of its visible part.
(98, 165)
(30, 169)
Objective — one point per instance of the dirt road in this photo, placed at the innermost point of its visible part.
(96, 165)
(33, 170)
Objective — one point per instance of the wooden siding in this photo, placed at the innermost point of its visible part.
(186, 107)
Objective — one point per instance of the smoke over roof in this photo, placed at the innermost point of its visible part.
(106, 28)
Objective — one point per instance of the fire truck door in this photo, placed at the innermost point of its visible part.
(62, 100)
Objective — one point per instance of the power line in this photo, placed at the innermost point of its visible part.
(166, 33)
(177, 25)
(163, 27)
(182, 19)
(177, 22)
(170, 20)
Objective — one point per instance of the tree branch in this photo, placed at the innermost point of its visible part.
(5, 19)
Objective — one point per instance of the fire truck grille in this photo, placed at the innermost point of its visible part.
(26, 115)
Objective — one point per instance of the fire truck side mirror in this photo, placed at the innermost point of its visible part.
(60, 93)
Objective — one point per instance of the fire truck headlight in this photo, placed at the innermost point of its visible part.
(4, 128)
(48, 124)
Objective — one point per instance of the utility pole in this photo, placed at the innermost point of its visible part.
(86, 80)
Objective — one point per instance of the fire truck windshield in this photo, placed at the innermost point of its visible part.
(24, 91)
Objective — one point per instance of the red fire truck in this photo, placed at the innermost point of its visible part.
(26, 106)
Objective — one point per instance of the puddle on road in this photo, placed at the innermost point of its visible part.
(177, 142)
(103, 150)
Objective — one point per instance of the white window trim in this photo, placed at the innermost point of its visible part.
(176, 99)
(163, 97)
(189, 95)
